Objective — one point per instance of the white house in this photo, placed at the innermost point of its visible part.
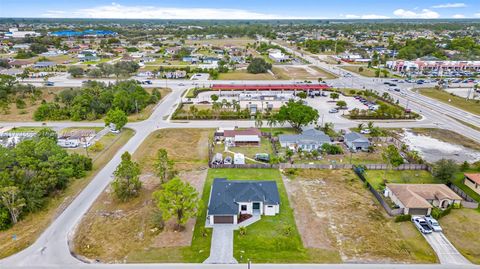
(277, 56)
(229, 199)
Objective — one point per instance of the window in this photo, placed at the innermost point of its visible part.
(270, 206)
(244, 207)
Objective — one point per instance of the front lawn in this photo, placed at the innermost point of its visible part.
(265, 241)
(375, 177)
(461, 228)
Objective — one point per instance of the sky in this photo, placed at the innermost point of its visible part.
(241, 9)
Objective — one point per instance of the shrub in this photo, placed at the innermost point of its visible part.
(242, 231)
(437, 213)
(204, 232)
(97, 147)
(403, 218)
(157, 220)
(288, 230)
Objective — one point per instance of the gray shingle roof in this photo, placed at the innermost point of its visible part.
(356, 137)
(310, 136)
(226, 194)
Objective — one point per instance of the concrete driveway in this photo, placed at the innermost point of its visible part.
(446, 252)
(221, 250)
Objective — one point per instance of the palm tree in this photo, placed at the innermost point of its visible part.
(360, 126)
(271, 123)
(193, 111)
(370, 125)
(258, 120)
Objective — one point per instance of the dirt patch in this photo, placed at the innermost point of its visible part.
(133, 221)
(312, 235)
(333, 209)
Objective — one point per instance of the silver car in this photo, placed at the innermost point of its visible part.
(433, 224)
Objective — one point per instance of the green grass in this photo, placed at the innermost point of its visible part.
(265, 241)
(456, 101)
(461, 228)
(26, 129)
(367, 72)
(375, 177)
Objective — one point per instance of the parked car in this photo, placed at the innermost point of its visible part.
(228, 160)
(149, 82)
(333, 110)
(421, 224)
(396, 89)
(433, 224)
(365, 131)
(263, 157)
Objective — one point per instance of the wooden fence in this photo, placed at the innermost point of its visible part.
(390, 211)
(468, 201)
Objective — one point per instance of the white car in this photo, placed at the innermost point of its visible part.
(421, 224)
(365, 131)
(333, 110)
(433, 224)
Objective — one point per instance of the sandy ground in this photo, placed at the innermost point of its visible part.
(432, 149)
(171, 238)
(333, 210)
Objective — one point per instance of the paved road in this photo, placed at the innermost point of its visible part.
(446, 252)
(51, 249)
(221, 249)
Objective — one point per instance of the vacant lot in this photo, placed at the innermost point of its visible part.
(299, 73)
(222, 42)
(244, 75)
(461, 228)
(367, 72)
(376, 177)
(48, 94)
(451, 99)
(26, 114)
(28, 229)
(448, 136)
(334, 211)
(109, 219)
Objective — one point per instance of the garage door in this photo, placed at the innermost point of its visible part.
(223, 219)
(418, 211)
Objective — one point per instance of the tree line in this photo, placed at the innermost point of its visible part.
(34, 171)
(94, 101)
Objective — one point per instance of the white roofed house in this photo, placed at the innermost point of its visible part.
(278, 56)
(247, 137)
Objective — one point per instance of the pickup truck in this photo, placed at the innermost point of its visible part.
(421, 224)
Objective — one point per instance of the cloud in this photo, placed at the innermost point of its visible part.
(423, 14)
(458, 16)
(117, 11)
(365, 17)
(450, 5)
